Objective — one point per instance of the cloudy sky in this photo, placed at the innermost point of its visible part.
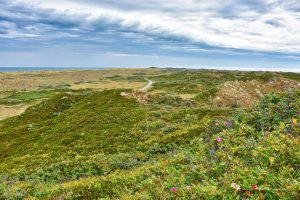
(244, 34)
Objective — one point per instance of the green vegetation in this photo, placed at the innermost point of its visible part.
(25, 97)
(292, 76)
(88, 144)
(190, 81)
(55, 86)
(137, 77)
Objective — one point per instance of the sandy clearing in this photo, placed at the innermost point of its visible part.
(10, 111)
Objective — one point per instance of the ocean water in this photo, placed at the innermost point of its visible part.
(25, 69)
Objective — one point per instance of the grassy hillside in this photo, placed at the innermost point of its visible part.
(83, 122)
(126, 144)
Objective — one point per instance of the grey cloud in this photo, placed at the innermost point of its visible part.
(293, 5)
(184, 22)
(274, 22)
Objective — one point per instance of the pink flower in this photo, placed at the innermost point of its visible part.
(254, 187)
(173, 189)
(219, 139)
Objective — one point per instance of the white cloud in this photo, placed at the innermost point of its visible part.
(229, 24)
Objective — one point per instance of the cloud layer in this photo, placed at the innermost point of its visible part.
(185, 27)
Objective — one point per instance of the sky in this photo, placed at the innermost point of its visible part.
(222, 34)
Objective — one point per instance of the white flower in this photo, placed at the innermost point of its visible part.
(235, 186)
(188, 187)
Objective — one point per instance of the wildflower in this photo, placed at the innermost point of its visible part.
(254, 187)
(173, 189)
(227, 124)
(248, 193)
(294, 120)
(188, 187)
(219, 139)
(235, 186)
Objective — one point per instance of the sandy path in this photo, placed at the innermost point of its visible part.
(148, 85)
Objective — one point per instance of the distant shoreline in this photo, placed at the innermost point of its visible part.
(33, 69)
(36, 69)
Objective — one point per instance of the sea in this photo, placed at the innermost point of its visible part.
(26, 69)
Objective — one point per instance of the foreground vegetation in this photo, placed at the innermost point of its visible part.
(126, 144)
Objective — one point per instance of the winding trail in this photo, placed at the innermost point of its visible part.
(148, 85)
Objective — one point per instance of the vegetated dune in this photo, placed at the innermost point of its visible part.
(245, 93)
(94, 122)
(127, 144)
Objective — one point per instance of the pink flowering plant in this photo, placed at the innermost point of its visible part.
(219, 139)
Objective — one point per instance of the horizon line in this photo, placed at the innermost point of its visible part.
(247, 69)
